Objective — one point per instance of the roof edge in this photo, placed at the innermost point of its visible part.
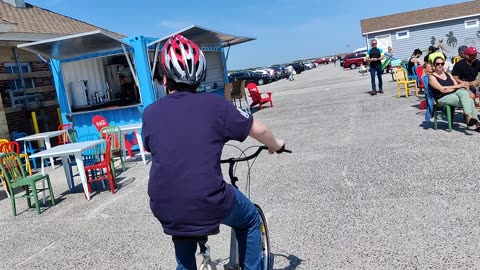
(419, 24)
(71, 18)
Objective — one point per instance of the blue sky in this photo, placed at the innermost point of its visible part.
(285, 30)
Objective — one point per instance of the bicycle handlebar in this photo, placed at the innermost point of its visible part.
(232, 161)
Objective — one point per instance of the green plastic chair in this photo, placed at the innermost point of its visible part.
(449, 109)
(116, 144)
(15, 176)
(72, 135)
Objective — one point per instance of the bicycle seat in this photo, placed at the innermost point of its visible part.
(198, 238)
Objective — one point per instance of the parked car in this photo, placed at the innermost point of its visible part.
(354, 60)
(281, 71)
(249, 77)
(324, 61)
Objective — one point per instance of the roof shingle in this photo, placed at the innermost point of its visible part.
(420, 16)
(33, 19)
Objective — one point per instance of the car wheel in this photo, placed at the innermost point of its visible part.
(260, 82)
(353, 66)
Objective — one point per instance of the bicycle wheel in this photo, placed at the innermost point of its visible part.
(267, 260)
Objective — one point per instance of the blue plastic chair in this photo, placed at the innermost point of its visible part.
(415, 76)
(30, 150)
(90, 157)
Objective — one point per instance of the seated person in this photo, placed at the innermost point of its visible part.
(434, 54)
(460, 56)
(427, 69)
(467, 69)
(431, 49)
(414, 61)
(447, 91)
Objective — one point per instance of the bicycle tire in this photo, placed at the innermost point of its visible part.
(267, 260)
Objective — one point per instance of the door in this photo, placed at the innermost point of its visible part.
(384, 41)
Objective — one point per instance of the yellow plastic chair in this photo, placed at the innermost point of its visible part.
(15, 147)
(3, 141)
(402, 79)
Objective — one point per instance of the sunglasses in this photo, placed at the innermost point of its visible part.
(374, 43)
(440, 64)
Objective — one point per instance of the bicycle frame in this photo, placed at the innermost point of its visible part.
(233, 263)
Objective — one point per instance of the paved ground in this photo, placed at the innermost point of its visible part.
(368, 187)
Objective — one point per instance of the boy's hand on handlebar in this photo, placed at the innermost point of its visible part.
(280, 144)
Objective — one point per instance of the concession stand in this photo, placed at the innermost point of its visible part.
(96, 73)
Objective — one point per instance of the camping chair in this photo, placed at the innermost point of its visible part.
(15, 147)
(116, 144)
(63, 139)
(257, 96)
(238, 93)
(402, 79)
(433, 104)
(95, 173)
(14, 173)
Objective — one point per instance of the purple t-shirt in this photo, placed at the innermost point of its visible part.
(185, 133)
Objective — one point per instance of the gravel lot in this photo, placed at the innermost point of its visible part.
(369, 186)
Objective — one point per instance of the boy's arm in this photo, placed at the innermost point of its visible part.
(262, 134)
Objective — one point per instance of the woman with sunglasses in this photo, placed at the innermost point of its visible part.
(447, 91)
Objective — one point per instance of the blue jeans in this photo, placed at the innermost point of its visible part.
(244, 219)
(378, 69)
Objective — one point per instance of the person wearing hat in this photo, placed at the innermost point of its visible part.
(467, 69)
(460, 56)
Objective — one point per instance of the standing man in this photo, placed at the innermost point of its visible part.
(467, 69)
(290, 72)
(374, 58)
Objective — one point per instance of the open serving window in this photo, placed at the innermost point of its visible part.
(96, 71)
(212, 44)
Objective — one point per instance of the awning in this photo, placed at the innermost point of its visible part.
(75, 45)
(204, 37)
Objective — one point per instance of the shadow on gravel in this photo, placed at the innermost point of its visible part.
(293, 261)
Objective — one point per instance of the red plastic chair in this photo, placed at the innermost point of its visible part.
(419, 72)
(100, 122)
(257, 96)
(95, 172)
(63, 139)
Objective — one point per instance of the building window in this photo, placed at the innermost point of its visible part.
(12, 68)
(471, 23)
(403, 34)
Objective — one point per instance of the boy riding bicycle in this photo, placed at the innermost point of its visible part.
(185, 132)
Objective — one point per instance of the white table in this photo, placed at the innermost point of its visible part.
(63, 151)
(137, 127)
(45, 136)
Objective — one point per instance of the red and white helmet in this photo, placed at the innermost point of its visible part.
(183, 61)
